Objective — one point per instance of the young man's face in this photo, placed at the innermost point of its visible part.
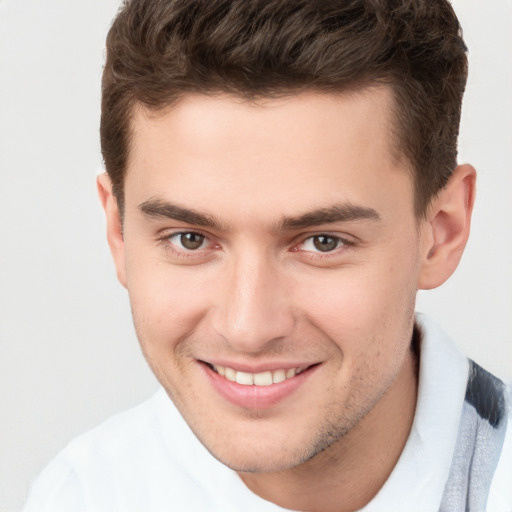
(272, 240)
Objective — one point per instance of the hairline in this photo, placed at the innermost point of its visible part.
(360, 86)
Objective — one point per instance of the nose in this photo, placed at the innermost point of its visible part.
(254, 308)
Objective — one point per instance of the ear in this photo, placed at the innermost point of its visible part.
(114, 225)
(447, 228)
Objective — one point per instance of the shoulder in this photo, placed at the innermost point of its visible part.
(57, 489)
(126, 430)
(94, 461)
(144, 459)
(500, 495)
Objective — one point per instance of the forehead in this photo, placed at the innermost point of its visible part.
(223, 151)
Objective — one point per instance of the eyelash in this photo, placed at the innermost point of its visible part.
(165, 240)
(343, 243)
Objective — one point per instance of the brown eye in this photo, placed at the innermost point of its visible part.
(191, 241)
(325, 243)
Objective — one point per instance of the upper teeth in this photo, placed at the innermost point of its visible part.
(259, 379)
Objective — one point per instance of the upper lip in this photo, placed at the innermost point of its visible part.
(259, 367)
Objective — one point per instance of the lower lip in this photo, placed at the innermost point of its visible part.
(256, 397)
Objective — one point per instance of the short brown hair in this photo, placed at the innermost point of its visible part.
(159, 50)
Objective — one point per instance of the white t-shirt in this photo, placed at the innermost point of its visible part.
(148, 460)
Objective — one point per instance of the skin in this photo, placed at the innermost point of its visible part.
(258, 292)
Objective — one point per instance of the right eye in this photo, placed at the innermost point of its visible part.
(188, 247)
(189, 241)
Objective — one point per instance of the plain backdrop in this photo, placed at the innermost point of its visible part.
(68, 354)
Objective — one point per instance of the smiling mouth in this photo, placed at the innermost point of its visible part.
(266, 378)
(259, 390)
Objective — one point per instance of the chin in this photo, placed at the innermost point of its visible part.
(248, 455)
(261, 462)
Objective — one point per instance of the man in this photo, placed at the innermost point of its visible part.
(281, 180)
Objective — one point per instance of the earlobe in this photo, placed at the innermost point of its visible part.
(114, 225)
(447, 228)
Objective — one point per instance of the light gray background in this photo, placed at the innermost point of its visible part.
(68, 354)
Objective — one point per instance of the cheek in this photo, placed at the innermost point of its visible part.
(362, 309)
(167, 301)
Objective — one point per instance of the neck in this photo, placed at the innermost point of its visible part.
(347, 475)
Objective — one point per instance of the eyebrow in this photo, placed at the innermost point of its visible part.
(345, 212)
(162, 209)
(336, 213)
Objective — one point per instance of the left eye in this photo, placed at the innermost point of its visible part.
(190, 241)
(322, 243)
